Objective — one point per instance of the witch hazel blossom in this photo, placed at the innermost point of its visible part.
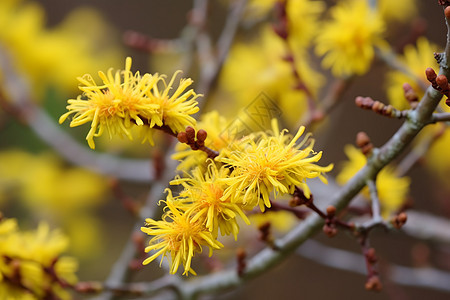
(125, 100)
(216, 192)
(272, 163)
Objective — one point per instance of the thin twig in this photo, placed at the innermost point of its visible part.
(351, 262)
(210, 74)
(376, 211)
(391, 60)
(440, 117)
(120, 270)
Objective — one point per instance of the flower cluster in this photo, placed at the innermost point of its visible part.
(272, 163)
(242, 177)
(125, 100)
(31, 265)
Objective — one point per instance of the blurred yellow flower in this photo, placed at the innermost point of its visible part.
(31, 265)
(348, 39)
(66, 195)
(437, 158)
(178, 235)
(303, 24)
(392, 189)
(302, 17)
(416, 60)
(281, 221)
(399, 10)
(54, 57)
(59, 190)
(258, 66)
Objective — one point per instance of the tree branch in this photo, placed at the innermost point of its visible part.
(138, 170)
(352, 262)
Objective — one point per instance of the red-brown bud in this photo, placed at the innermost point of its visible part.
(364, 143)
(447, 12)
(442, 82)
(182, 137)
(371, 256)
(331, 211)
(190, 133)
(201, 135)
(431, 75)
(374, 284)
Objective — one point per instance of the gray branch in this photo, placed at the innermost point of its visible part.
(348, 261)
(66, 146)
(267, 258)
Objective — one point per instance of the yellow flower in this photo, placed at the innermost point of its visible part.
(202, 200)
(281, 221)
(67, 195)
(302, 17)
(271, 163)
(399, 10)
(261, 60)
(175, 108)
(257, 9)
(392, 190)
(114, 106)
(178, 235)
(31, 265)
(59, 190)
(415, 60)
(126, 100)
(347, 41)
(60, 53)
(303, 21)
(437, 158)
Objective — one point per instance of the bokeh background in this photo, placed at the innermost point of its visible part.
(100, 226)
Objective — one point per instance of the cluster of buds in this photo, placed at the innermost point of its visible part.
(378, 107)
(299, 198)
(410, 95)
(373, 282)
(444, 2)
(196, 141)
(330, 228)
(363, 142)
(399, 220)
(439, 83)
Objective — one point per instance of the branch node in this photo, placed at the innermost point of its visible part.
(378, 107)
(241, 256)
(189, 137)
(265, 234)
(364, 143)
(410, 95)
(373, 283)
(399, 220)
